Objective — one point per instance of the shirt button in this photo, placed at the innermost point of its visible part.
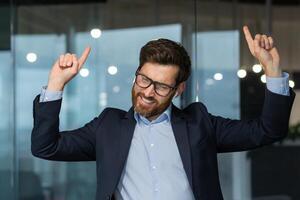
(156, 190)
(153, 167)
(151, 145)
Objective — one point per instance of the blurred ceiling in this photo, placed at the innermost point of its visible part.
(274, 2)
(49, 2)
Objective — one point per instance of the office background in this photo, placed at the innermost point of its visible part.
(225, 77)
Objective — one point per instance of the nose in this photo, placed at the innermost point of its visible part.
(149, 91)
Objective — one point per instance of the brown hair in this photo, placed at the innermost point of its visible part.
(167, 52)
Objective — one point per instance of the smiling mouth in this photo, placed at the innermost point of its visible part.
(146, 101)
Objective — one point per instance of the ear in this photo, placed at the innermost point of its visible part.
(180, 89)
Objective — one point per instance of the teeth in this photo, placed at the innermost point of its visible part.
(146, 101)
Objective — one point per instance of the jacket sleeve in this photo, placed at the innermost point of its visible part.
(272, 125)
(49, 143)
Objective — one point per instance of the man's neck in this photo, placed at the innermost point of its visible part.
(154, 117)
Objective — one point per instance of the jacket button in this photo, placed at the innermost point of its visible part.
(108, 197)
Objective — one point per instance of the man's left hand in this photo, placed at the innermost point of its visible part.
(262, 48)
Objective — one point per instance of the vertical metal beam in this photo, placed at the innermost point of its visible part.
(196, 50)
(5, 27)
(269, 17)
(13, 124)
(70, 91)
(235, 17)
(156, 12)
(216, 24)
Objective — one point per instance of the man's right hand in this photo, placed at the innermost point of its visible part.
(64, 69)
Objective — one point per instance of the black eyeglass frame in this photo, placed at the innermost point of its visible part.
(154, 83)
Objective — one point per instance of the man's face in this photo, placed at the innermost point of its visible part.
(146, 101)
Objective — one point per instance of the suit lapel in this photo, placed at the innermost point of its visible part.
(179, 127)
(127, 128)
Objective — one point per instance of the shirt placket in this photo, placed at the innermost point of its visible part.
(153, 161)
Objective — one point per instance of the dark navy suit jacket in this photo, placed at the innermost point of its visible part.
(199, 137)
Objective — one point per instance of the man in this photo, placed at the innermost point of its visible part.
(156, 150)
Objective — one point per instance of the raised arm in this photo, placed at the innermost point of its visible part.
(46, 140)
(272, 125)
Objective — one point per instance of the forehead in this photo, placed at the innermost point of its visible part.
(160, 73)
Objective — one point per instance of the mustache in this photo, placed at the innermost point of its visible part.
(147, 98)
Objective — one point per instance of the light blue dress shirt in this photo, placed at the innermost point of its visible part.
(279, 85)
(154, 169)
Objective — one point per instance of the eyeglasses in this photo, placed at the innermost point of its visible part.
(160, 88)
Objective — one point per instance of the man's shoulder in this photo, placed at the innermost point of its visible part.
(111, 112)
(195, 107)
(195, 110)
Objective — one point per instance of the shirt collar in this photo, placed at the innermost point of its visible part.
(165, 116)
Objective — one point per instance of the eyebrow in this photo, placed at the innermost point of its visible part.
(158, 81)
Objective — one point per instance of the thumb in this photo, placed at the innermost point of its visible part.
(275, 55)
(84, 56)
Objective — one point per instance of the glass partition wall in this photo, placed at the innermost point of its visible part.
(115, 30)
(8, 173)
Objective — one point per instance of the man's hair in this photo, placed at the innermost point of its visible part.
(167, 52)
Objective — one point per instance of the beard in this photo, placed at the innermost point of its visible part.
(154, 109)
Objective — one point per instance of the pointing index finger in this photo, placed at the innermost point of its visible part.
(247, 33)
(248, 38)
(84, 56)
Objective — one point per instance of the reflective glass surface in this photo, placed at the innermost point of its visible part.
(32, 37)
